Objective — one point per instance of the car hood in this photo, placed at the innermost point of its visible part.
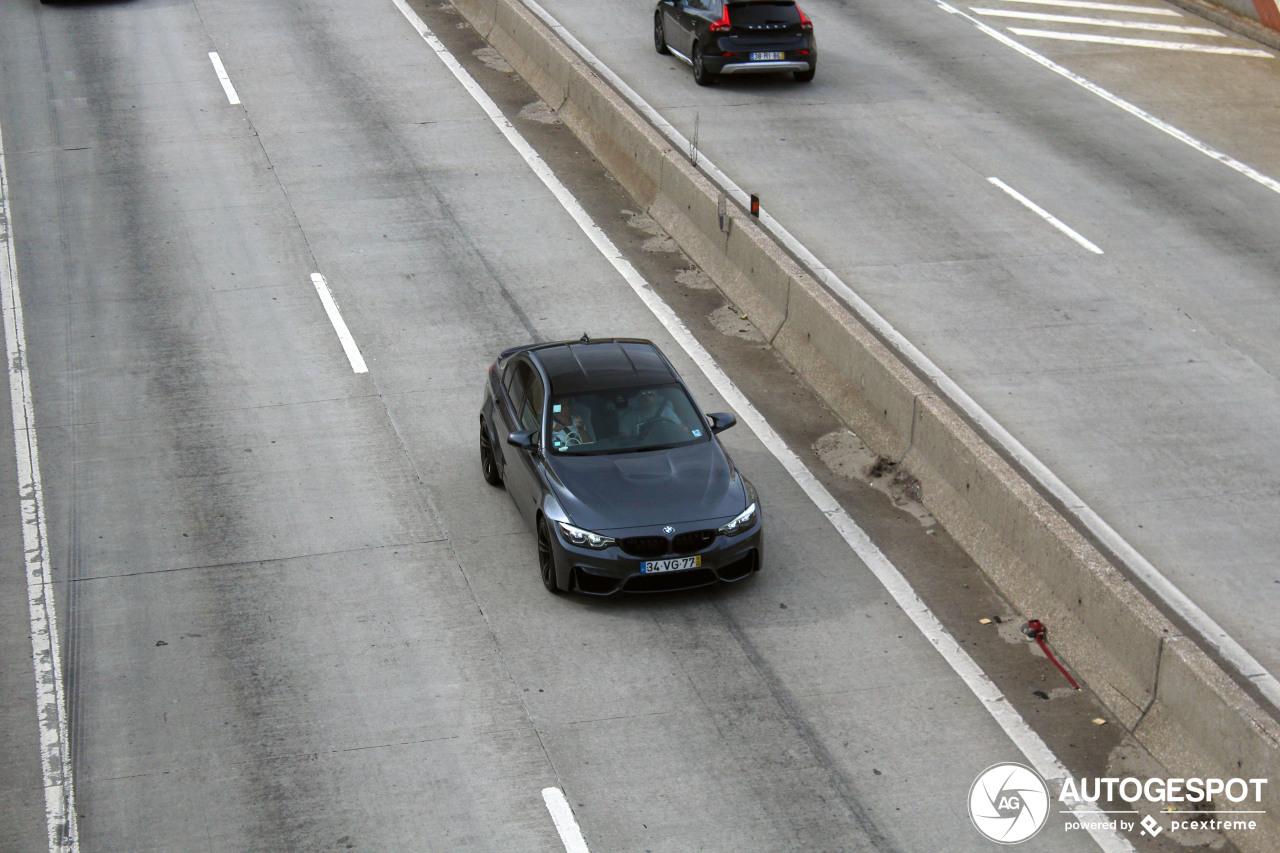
(679, 485)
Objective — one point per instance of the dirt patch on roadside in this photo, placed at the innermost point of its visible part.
(846, 455)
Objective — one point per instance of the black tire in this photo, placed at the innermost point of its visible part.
(547, 558)
(701, 75)
(659, 35)
(805, 76)
(488, 463)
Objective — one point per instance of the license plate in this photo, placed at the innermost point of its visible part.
(766, 56)
(679, 564)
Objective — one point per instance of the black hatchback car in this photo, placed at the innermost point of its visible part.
(616, 469)
(736, 37)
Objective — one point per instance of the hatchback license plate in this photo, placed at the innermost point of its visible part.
(652, 567)
(766, 56)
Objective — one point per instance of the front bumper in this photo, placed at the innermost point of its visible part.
(725, 559)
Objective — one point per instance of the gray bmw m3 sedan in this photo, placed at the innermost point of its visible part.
(616, 469)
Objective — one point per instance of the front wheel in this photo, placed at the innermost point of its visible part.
(701, 75)
(547, 558)
(659, 35)
(488, 464)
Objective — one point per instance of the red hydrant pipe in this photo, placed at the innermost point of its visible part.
(1035, 630)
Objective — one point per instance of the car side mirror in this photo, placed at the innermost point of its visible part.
(525, 439)
(721, 421)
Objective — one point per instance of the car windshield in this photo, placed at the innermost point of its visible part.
(623, 421)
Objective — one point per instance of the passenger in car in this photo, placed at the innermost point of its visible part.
(570, 424)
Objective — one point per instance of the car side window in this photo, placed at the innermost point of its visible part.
(531, 407)
(515, 382)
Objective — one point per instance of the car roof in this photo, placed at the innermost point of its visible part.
(574, 367)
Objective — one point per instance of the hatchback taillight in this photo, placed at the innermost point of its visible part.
(723, 24)
(805, 23)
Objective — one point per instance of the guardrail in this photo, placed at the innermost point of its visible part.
(1179, 703)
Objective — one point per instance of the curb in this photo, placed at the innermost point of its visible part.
(1179, 703)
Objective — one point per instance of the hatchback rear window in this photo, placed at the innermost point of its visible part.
(763, 14)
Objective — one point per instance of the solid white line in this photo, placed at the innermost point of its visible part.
(339, 325)
(989, 695)
(1153, 43)
(223, 77)
(1048, 217)
(566, 824)
(1100, 22)
(46, 653)
(1105, 7)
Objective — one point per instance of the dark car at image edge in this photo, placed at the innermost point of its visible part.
(616, 469)
(723, 37)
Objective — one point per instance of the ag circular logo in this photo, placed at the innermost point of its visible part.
(1009, 803)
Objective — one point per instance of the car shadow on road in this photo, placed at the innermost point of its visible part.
(651, 603)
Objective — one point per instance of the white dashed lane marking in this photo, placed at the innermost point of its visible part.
(1103, 7)
(223, 77)
(1155, 44)
(1098, 22)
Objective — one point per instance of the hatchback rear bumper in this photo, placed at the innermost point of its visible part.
(762, 67)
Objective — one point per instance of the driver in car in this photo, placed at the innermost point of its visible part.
(644, 407)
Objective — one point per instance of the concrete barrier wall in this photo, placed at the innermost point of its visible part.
(1257, 19)
(1243, 7)
(1218, 740)
(1039, 562)
(871, 390)
(1180, 704)
(1259, 10)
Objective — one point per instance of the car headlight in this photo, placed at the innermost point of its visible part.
(584, 538)
(741, 523)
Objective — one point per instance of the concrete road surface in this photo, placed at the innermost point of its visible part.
(292, 615)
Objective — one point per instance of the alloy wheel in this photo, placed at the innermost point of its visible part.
(700, 74)
(488, 465)
(547, 558)
(659, 35)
